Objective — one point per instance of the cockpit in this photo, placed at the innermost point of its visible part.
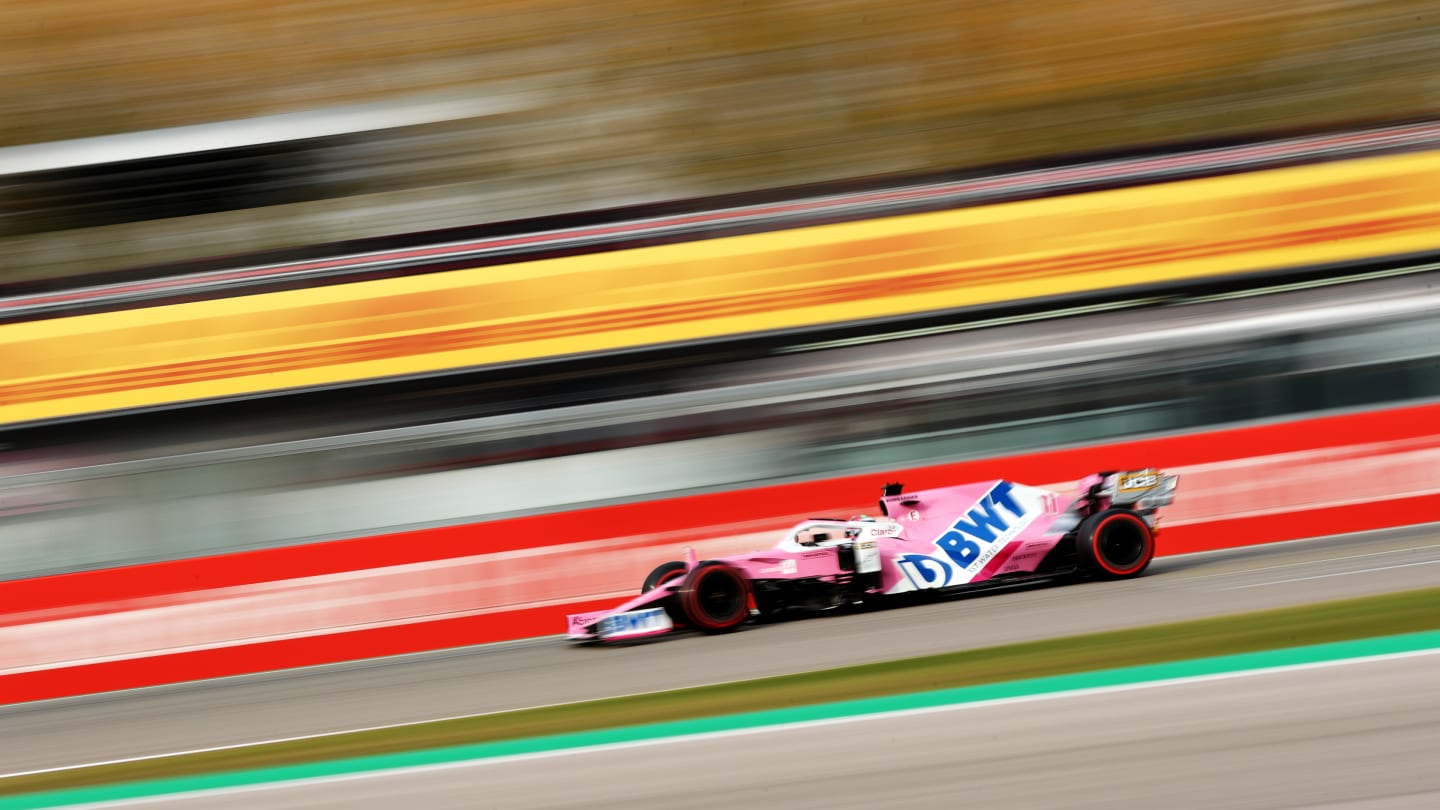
(823, 533)
(812, 534)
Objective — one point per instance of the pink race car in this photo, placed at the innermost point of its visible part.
(936, 541)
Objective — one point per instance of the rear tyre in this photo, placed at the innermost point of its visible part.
(715, 598)
(1114, 544)
(662, 574)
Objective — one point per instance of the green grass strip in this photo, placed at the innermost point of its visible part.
(1244, 641)
(1150, 673)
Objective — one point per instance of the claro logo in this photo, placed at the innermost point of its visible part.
(970, 541)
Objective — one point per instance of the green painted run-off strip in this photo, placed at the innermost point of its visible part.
(1174, 670)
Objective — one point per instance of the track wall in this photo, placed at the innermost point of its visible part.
(508, 579)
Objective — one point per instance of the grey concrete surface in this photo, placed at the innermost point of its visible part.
(1359, 735)
(498, 677)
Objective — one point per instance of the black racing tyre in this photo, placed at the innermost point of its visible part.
(663, 573)
(1115, 544)
(715, 597)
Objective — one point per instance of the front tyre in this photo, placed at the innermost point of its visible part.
(715, 597)
(1115, 544)
(663, 573)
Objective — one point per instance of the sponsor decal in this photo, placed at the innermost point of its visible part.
(784, 567)
(634, 623)
(867, 557)
(975, 537)
(1138, 480)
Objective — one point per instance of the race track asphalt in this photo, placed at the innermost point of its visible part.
(317, 700)
(1361, 735)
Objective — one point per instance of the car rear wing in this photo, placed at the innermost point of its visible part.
(1141, 490)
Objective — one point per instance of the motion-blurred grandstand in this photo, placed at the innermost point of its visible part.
(137, 133)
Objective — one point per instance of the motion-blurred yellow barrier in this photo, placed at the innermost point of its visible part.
(631, 101)
(829, 274)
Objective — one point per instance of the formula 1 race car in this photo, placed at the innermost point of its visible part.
(933, 541)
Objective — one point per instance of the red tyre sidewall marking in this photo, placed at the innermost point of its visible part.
(1099, 555)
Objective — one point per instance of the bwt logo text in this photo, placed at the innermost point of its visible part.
(982, 524)
(970, 541)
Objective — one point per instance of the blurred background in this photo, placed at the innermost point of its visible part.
(136, 135)
(140, 133)
(201, 193)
